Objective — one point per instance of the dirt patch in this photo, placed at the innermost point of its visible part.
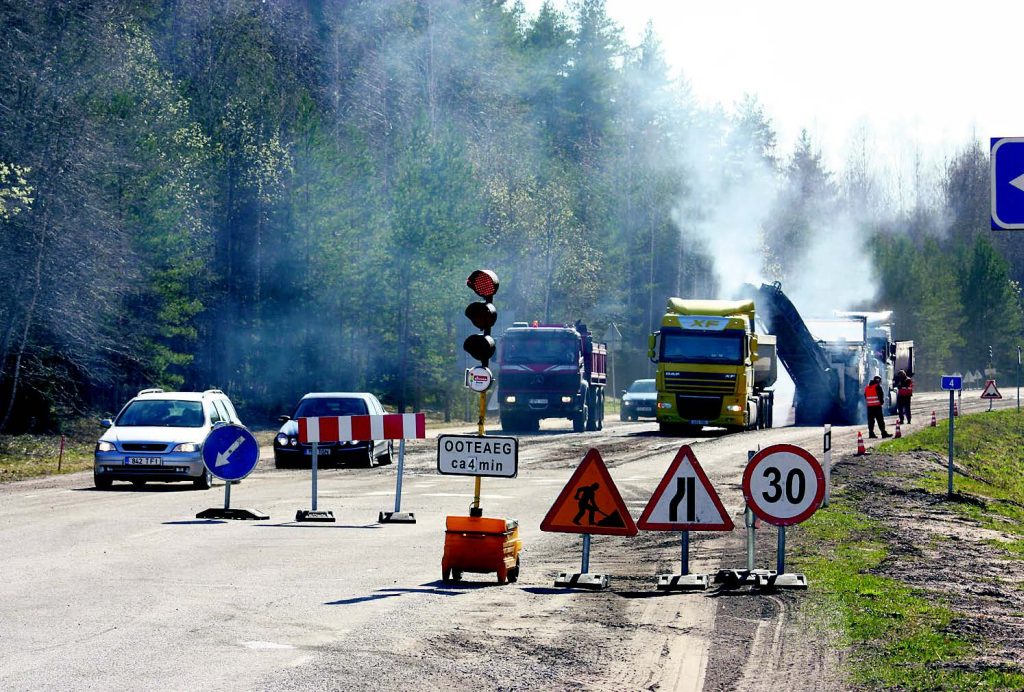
(934, 547)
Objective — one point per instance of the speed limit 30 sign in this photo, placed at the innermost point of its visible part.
(783, 484)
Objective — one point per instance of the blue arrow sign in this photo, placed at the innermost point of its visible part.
(952, 382)
(1007, 161)
(230, 452)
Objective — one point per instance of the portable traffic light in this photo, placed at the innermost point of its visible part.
(482, 314)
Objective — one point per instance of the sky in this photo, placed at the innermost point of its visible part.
(914, 77)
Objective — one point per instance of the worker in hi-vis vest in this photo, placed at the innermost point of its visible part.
(874, 397)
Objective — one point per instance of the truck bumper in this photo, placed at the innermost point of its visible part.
(702, 410)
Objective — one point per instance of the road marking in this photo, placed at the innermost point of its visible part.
(266, 645)
(488, 496)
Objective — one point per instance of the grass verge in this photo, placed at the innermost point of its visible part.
(896, 634)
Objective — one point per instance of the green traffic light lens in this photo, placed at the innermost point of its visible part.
(479, 347)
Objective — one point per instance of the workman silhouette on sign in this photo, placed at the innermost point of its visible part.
(584, 497)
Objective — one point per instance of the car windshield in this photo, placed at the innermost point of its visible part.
(167, 413)
(552, 348)
(642, 387)
(322, 407)
(702, 347)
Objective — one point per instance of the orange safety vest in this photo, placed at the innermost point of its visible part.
(907, 389)
(871, 394)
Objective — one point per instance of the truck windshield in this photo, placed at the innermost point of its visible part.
(554, 348)
(702, 347)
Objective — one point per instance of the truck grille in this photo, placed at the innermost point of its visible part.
(564, 382)
(699, 407)
(722, 383)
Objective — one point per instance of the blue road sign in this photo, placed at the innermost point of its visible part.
(230, 452)
(952, 382)
(1007, 160)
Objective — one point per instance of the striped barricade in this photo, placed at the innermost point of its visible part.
(390, 426)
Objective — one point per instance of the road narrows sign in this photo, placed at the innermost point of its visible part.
(783, 484)
(685, 500)
(991, 391)
(590, 503)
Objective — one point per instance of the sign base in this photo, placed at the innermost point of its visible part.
(231, 513)
(324, 515)
(744, 577)
(682, 582)
(396, 518)
(788, 580)
(584, 580)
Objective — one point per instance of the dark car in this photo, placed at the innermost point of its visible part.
(290, 453)
(639, 400)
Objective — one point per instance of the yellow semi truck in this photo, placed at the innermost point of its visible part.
(712, 367)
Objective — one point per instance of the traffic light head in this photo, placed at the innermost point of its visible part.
(482, 314)
(484, 283)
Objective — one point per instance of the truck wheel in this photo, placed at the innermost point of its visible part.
(579, 421)
(532, 424)
(600, 411)
(509, 423)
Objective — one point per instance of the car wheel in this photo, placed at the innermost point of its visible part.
(280, 463)
(371, 460)
(101, 482)
(389, 455)
(204, 482)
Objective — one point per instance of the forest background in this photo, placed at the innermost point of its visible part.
(280, 197)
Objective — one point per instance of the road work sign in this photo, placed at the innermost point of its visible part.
(991, 391)
(230, 452)
(685, 500)
(472, 455)
(590, 503)
(783, 484)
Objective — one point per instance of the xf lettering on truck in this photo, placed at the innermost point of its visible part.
(714, 324)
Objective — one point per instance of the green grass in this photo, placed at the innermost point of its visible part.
(897, 634)
(989, 447)
(30, 456)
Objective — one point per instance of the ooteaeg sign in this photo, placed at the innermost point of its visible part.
(472, 455)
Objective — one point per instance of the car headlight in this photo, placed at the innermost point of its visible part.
(104, 446)
(186, 447)
(566, 399)
(510, 399)
(292, 441)
(281, 440)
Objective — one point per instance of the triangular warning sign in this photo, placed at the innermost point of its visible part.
(991, 391)
(590, 503)
(685, 500)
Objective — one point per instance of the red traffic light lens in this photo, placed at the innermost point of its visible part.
(479, 347)
(484, 282)
(482, 315)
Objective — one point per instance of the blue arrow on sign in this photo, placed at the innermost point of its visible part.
(230, 452)
(1007, 161)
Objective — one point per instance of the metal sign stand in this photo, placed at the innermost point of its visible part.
(827, 453)
(583, 579)
(949, 490)
(314, 514)
(228, 456)
(683, 581)
(739, 577)
(398, 516)
(781, 579)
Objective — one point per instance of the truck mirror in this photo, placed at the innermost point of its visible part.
(652, 340)
(753, 346)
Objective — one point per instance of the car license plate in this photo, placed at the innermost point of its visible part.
(539, 402)
(643, 409)
(700, 422)
(322, 452)
(143, 461)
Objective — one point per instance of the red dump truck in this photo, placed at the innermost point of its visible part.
(551, 371)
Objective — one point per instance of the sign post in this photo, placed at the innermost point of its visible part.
(991, 392)
(1018, 379)
(684, 501)
(588, 504)
(827, 456)
(783, 485)
(954, 384)
(230, 453)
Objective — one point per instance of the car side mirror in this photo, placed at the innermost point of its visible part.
(219, 423)
(623, 392)
(283, 419)
(106, 422)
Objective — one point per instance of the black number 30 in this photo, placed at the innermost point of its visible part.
(795, 484)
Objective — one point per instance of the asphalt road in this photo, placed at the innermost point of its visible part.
(126, 589)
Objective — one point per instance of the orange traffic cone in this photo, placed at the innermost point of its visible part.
(956, 409)
(933, 419)
(860, 444)
(898, 433)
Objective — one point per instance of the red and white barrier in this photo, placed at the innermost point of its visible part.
(390, 426)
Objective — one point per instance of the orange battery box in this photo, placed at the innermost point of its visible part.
(481, 544)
